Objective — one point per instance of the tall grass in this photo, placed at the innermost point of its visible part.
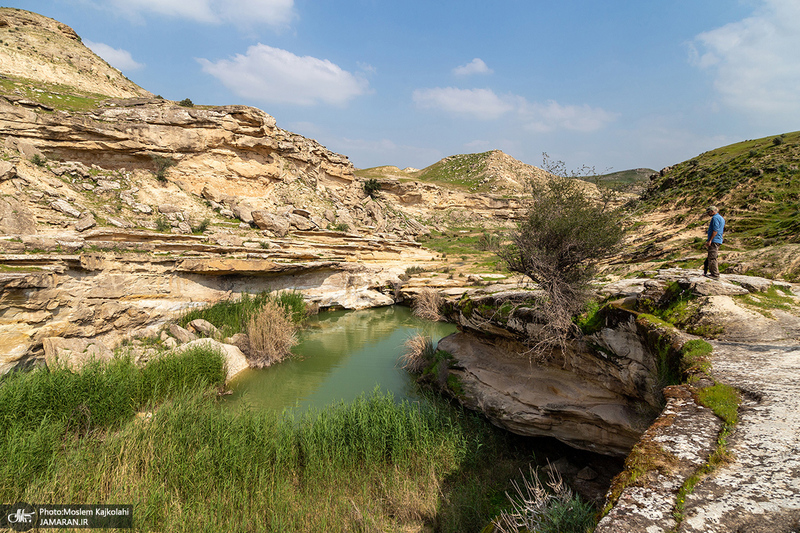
(40, 410)
(194, 465)
(271, 334)
(232, 316)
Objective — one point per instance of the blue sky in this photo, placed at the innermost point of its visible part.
(613, 85)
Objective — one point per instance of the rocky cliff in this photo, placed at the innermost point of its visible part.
(604, 391)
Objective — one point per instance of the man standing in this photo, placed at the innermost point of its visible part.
(715, 229)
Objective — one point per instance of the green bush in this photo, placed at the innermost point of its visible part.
(186, 102)
(371, 187)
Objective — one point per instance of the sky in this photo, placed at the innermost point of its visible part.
(613, 85)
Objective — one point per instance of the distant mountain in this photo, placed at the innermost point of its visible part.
(634, 180)
(492, 171)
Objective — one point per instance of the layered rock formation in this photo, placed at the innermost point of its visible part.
(604, 391)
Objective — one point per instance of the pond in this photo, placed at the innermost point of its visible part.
(341, 354)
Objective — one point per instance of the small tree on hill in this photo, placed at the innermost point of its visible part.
(557, 245)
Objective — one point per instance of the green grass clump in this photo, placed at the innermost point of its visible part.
(373, 465)
(42, 408)
(723, 400)
(695, 357)
(232, 316)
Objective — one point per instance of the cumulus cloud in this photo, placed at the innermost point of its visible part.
(276, 13)
(272, 75)
(484, 104)
(476, 66)
(117, 58)
(552, 116)
(755, 62)
(479, 103)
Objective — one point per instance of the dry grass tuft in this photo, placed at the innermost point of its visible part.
(427, 305)
(272, 335)
(419, 353)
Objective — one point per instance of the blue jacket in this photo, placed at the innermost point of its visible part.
(717, 224)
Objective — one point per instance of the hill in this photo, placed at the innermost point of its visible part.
(38, 49)
(486, 172)
(756, 185)
(633, 180)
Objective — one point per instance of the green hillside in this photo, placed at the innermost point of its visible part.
(632, 180)
(464, 171)
(755, 183)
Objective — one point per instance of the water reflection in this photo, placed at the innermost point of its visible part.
(340, 355)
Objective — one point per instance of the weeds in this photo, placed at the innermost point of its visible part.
(427, 305)
(271, 333)
(534, 507)
(419, 352)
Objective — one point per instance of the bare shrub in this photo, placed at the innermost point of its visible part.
(272, 335)
(557, 245)
(419, 353)
(427, 305)
(539, 508)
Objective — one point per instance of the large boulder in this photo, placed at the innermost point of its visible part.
(537, 400)
(275, 224)
(235, 361)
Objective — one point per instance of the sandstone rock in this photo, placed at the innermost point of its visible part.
(243, 212)
(203, 326)
(7, 171)
(64, 207)
(277, 225)
(74, 352)
(15, 217)
(85, 222)
(235, 361)
(227, 240)
(118, 222)
(534, 400)
(211, 194)
(166, 209)
(241, 341)
(181, 334)
(301, 223)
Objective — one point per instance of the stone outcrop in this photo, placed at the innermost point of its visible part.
(603, 392)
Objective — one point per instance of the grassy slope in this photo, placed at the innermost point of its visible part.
(463, 172)
(624, 180)
(755, 183)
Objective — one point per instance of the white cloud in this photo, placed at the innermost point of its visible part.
(484, 104)
(276, 13)
(755, 61)
(476, 66)
(552, 116)
(120, 59)
(272, 75)
(479, 103)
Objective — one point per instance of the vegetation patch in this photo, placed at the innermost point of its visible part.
(755, 183)
(766, 302)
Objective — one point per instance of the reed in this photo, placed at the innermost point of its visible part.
(374, 464)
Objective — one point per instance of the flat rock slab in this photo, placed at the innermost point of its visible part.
(759, 491)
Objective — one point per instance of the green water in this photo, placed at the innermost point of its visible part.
(341, 354)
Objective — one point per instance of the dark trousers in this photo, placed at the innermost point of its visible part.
(710, 264)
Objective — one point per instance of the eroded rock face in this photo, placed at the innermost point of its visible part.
(604, 390)
(536, 400)
(236, 149)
